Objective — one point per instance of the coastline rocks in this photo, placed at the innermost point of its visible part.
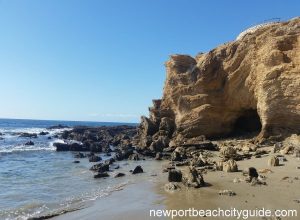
(94, 158)
(29, 143)
(174, 175)
(79, 155)
(101, 175)
(43, 133)
(59, 126)
(137, 169)
(134, 156)
(193, 178)
(100, 167)
(273, 161)
(70, 147)
(230, 166)
(27, 135)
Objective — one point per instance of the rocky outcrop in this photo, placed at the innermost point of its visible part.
(97, 139)
(248, 85)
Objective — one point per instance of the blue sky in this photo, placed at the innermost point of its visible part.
(104, 60)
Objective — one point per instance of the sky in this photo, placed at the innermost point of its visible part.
(103, 60)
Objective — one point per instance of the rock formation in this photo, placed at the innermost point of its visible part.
(251, 84)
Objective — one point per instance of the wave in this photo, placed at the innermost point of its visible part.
(22, 148)
(67, 205)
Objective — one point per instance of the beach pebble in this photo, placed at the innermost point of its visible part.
(226, 192)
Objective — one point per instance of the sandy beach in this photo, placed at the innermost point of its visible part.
(136, 200)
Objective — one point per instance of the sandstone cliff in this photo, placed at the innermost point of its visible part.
(250, 84)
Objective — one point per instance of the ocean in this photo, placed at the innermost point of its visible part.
(36, 180)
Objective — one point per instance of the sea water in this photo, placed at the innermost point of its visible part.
(36, 180)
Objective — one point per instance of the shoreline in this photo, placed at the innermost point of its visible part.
(134, 201)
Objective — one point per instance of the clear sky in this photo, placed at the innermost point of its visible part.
(103, 60)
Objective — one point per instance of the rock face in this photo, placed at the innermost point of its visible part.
(251, 84)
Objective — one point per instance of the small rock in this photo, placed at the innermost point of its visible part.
(134, 157)
(226, 192)
(236, 180)
(137, 169)
(219, 166)
(43, 133)
(94, 158)
(119, 175)
(252, 172)
(273, 161)
(101, 175)
(158, 156)
(297, 200)
(175, 176)
(171, 187)
(76, 161)
(100, 167)
(79, 155)
(29, 143)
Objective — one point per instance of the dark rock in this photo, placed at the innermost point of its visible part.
(43, 133)
(252, 173)
(110, 161)
(27, 135)
(134, 157)
(29, 143)
(49, 138)
(101, 175)
(137, 169)
(59, 126)
(100, 167)
(175, 176)
(76, 161)
(158, 156)
(116, 167)
(79, 155)
(94, 158)
(70, 147)
(119, 175)
(175, 156)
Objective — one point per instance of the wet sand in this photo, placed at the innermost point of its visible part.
(133, 201)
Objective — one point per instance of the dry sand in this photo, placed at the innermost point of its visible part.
(279, 193)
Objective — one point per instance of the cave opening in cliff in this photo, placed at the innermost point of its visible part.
(248, 123)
